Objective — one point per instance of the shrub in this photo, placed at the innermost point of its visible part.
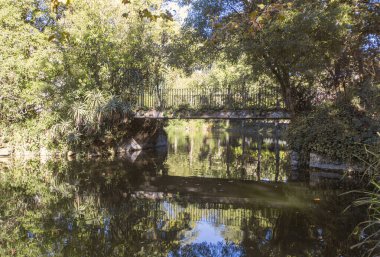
(337, 132)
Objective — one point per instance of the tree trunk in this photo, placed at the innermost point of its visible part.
(282, 76)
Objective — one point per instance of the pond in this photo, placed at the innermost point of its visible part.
(218, 189)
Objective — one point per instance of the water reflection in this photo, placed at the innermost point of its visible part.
(243, 150)
(192, 200)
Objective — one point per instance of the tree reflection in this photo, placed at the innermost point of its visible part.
(136, 207)
(246, 150)
(208, 250)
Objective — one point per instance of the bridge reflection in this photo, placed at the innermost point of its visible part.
(162, 214)
(248, 150)
(210, 193)
(120, 208)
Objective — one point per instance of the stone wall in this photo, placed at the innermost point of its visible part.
(144, 134)
(320, 162)
(325, 163)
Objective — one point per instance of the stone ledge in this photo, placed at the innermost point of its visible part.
(321, 162)
(5, 151)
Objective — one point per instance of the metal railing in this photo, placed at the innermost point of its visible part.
(261, 99)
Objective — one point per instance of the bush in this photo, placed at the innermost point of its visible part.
(338, 131)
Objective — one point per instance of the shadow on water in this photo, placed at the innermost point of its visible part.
(217, 190)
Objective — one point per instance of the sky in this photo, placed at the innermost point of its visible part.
(179, 12)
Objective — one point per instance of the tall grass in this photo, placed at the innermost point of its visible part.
(370, 229)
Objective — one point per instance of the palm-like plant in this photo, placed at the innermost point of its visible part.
(116, 110)
(95, 99)
(61, 128)
(94, 102)
(92, 117)
(79, 113)
(73, 138)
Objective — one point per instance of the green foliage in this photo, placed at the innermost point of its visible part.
(220, 75)
(26, 54)
(369, 230)
(29, 135)
(71, 70)
(97, 118)
(27, 191)
(337, 131)
(305, 46)
(70, 73)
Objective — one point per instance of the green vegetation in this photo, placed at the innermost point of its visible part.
(302, 45)
(72, 72)
(321, 56)
(69, 75)
(338, 131)
(369, 230)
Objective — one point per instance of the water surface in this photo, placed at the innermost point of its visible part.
(218, 189)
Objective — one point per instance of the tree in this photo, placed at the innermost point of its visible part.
(25, 75)
(297, 43)
(76, 68)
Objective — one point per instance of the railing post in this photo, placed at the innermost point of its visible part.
(229, 96)
(277, 101)
(142, 101)
(210, 98)
(172, 97)
(162, 97)
(244, 106)
(259, 100)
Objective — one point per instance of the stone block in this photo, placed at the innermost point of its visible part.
(5, 151)
(325, 163)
